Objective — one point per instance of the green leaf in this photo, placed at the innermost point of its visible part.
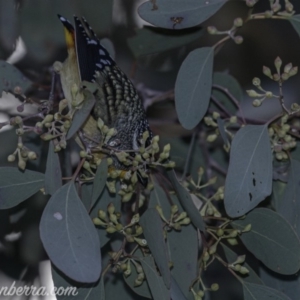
(153, 232)
(193, 87)
(159, 197)
(99, 181)
(252, 277)
(277, 194)
(271, 240)
(116, 289)
(149, 40)
(229, 83)
(17, 186)
(183, 245)
(295, 21)
(249, 177)
(69, 236)
(254, 291)
(289, 285)
(186, 202)
(82, 114)
(142, 290)
(76, 291)
(176, 292)
(289, 206)
(155, 281)
(53, 177)
(183, 248)
(11, 77)
(102, 203)
(192, 13)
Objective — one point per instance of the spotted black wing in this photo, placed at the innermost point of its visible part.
(91, 55)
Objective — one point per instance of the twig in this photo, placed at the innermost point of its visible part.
(232, 98)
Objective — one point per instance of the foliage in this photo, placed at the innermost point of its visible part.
(161, 223)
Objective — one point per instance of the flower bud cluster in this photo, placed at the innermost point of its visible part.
(111, 221)
(176, 219)
(278, 76)
(23, 154)
(281, 140)
(237, 23)
(211, 121)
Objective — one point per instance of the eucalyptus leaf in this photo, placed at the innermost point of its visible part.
(288, 285)
(86, 195)
(193, 87)
(295, 21)
(183, 248)
(187, 202)
(53, 177)
(158, 197)
(11, 77)
(188, 13)
(149, 40)
(69, 236)
(142, 290)
(254, 291)
(158, 289)
(277, 194)
(272, 240)
(251, 277)
(224, 82)
(82, 113)
(99, 181)
(289, 206)
(17, 186)
(153, 232)
(76, 291)
(249, 177)
(176, 292)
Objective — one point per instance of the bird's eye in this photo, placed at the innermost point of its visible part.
(114, 143)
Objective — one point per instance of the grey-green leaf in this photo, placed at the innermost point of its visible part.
(187, 202)
(142, 290)
(158, 289)
(82, 114)
(289, 206)
(99, 181)
(193, 87)
(176, 14)
(176, 292)
(252, 277)
(149, 40)
(69, 236)
(272, 240)
(295, 20)
(153, 232)
(289, 285)
(183, 248)
(53, 177)
(17, 186)
(254, 291)
(11, 77)
(76, 291)
(224, 82)
(249, 177)
(159, 197)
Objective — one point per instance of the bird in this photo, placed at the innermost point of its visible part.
(117, 103)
